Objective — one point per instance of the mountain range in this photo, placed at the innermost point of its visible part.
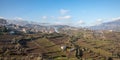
(113, 25)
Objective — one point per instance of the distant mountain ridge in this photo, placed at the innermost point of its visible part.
(113, 25)
(36, 26)
(3, 21)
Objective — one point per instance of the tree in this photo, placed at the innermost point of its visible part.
(5, 29)
(79, 52)
(109, 58)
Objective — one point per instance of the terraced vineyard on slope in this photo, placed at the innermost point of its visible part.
(48, 46)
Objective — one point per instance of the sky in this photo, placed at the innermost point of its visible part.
(69, 12)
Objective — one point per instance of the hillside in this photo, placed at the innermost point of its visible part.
(89, 44)
(66, 43)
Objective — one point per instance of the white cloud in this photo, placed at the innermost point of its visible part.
(44, 17)
(52, 17)
(80, 22)
(1, 17)
(99, 20)
(18, 18)
(117, 18)
(63, 11)
(58, 23)
(64, 17)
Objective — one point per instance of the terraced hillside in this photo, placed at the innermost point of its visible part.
(30, 46)
(84, 45)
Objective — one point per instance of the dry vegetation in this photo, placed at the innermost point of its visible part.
(84, 45)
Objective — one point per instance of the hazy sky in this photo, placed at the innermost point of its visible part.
(73, 12)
